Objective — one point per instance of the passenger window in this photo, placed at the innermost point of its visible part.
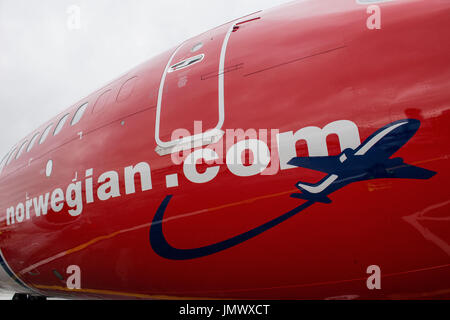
(127, 89)
(11, 156)
(60, 125)
(32, 142)
(102, 101)
(2, 164)
(21, 149)
(45, 134)
(79, 114)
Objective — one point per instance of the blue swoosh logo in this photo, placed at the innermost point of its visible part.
(165, 250)
(371, 160)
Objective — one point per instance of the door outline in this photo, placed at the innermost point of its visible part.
(205, 138)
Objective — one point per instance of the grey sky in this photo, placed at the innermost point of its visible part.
(45, 66)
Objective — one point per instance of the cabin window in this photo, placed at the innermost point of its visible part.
(32, 142)
(102, 101)
(2, 164)
(11, 156)
(45, 134)
(79, 114)
(127, 89)
(21, 149)
(60, 125)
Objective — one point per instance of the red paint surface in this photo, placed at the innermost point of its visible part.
(304, 64)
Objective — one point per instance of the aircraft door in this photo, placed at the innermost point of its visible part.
(191, 93)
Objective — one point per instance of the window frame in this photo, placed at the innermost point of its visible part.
(3, 162)
(33, 141)
(21, 149)
(85, 106)
(45, 134)
(11, 156)
(60, 125)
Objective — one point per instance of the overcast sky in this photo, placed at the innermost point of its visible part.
(48, 61)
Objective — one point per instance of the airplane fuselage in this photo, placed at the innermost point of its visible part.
(176, 182)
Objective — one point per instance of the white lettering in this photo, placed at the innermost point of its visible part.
(261, 158)
(145, 174)
(57, 200)
(316, 140)
(76, 202)
(20, 212)
(110, 187)
(10, 216)
(374, 281)
(28, 205)
(374, 21)
(190, 166)
(89, 187)
(41, 206)
(74, 280)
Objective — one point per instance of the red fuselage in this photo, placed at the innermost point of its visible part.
(113, 194)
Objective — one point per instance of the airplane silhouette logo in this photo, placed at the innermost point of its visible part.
(371, 160)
